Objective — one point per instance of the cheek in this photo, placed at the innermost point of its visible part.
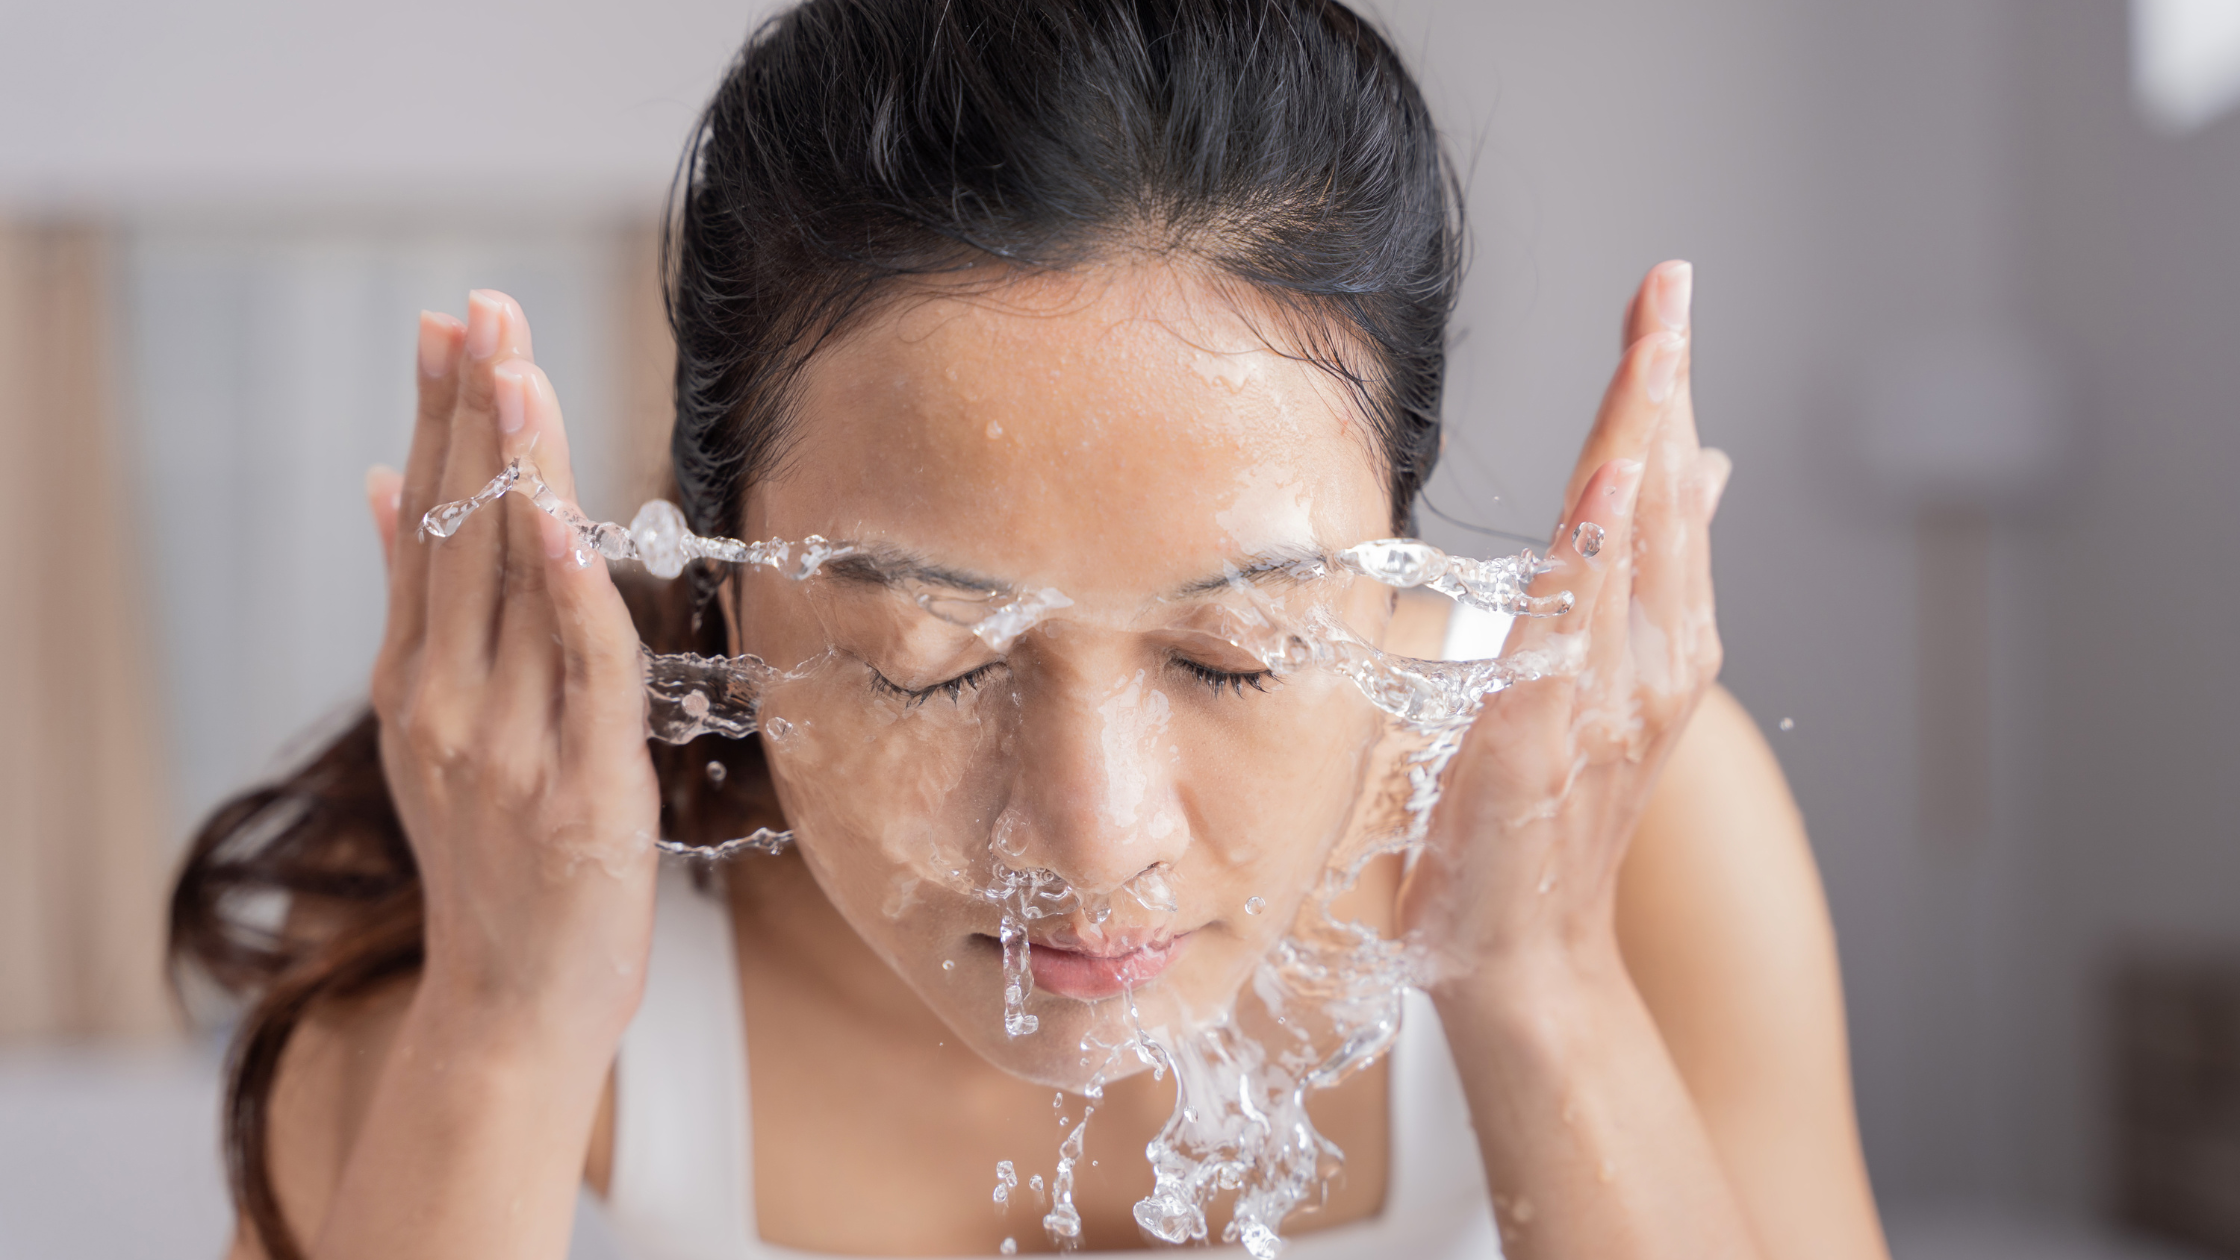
(1272, 799)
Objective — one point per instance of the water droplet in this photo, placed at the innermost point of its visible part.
(1010, 1247)
(948, 964)
(776, 729)
(1788, 724)
(1588, 539)
(1253, 905)
(717, 773)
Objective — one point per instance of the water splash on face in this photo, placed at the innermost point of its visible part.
(1333, 988)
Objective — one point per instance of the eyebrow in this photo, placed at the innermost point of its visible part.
(885, 566)
(1289, 565)
(878, 565)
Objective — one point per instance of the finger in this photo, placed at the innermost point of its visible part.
(384, 486)
(465, 571)
(602, 686)
(1662, 302)
(1671, 534)
(1659, 310)
(1708, 485)
(1589, 557)
(441, 338)
(527, 668)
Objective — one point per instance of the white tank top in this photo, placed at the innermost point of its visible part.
(682, 1186)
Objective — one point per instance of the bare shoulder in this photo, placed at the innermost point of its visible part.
(1725, 930)
(320, 1094)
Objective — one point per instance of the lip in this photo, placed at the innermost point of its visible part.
(1089, 977)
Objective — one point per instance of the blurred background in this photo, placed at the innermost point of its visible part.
(1968, 294)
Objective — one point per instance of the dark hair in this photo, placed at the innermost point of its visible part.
(1278, 146)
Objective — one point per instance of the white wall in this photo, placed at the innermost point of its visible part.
(137, 102)
(2133, 265)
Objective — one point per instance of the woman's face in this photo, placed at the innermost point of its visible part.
(1117, 457)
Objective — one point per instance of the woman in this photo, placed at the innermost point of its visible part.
(1139, 306)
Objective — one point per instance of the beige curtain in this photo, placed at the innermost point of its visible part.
(83, 855)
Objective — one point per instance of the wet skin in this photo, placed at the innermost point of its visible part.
(1029, 436)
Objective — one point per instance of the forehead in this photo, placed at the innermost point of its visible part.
(1119, 423)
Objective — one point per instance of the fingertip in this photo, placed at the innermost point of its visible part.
(516, 322)
(1672, 284)
(485, 311)
(1713, 468)
(384, 494)
(384, 488)
(436, 346)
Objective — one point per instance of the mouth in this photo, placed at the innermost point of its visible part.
(1108, 970)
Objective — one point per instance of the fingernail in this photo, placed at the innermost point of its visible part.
(1664, 366)
(1675, 290)
(483, 309)
(512, 389)
(374, 476)
(435, 346)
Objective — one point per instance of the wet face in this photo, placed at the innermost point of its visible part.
(1117, 463)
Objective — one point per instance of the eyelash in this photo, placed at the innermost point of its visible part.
(1220, 678)
(970, 680)
(955, 688)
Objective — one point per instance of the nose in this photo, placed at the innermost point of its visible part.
(1095, 794)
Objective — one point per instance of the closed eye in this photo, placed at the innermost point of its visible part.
(1220, 679)
(954, 688)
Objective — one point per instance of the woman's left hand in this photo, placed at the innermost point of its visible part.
(1522, 860)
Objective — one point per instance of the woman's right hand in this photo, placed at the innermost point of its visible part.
(512, 710)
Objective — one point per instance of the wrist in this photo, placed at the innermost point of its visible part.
(1555, 991)
(514, 1031)
(552, 984)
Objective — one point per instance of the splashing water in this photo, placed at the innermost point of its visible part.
(1494, 585)
(1332, 987)
(657, 536)
(1063, 1221)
